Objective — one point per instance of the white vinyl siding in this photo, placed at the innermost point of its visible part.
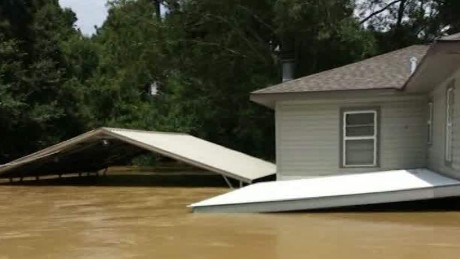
(437, 150)
(359, 138)
(309, 136)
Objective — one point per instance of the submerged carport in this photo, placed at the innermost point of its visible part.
(104, 147)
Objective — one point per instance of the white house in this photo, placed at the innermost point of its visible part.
(396, 113)
(399, 110)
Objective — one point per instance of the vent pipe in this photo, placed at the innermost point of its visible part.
(413, 64)
(286, 54)
(287, 67)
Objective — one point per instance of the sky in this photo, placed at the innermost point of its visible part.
(90, 13)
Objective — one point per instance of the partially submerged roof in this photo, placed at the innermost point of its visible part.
(98, 149)
(334, 191)
(387, 71)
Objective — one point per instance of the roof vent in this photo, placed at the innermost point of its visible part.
(413, 64)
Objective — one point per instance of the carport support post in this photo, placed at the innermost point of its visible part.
(228, 182)
(11, 179)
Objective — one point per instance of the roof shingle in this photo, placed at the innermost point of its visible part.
(390, 70)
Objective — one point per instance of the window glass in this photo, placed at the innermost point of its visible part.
(355, 131)
(356, 119)
(359, 152)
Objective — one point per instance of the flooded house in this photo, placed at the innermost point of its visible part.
(385, 129)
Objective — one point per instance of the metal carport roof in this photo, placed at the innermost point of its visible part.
(103, 147)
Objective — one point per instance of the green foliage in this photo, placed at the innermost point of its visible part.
(399, 23)
(37, 104)
(321, 34)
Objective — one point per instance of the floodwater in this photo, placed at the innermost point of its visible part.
(83, 221)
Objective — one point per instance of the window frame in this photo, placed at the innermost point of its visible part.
(345, 138)
(429, 122)
(449, 124)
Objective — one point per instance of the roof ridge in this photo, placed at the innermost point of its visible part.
(143, 131)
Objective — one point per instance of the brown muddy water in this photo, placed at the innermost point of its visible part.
(79, 220)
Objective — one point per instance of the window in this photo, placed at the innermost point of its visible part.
(359, 146)
(429, 123)
(449, 122)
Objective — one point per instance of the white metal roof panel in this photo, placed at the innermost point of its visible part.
(201, 153)
(334, 187)
(183, 147)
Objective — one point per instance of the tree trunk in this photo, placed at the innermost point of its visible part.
(402, 6)
(157, 4)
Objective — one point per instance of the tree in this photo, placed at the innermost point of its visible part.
(399, 23)
(321, 34)
(38, 105)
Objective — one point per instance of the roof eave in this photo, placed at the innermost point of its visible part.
(269, 99)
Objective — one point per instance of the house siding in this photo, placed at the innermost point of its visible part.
(436, 152)
(309, 136)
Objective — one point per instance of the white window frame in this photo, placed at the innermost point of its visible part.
(345, 138)
(429, 122)
(449, 123)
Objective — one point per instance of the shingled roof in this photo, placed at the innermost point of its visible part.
(386, 71)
